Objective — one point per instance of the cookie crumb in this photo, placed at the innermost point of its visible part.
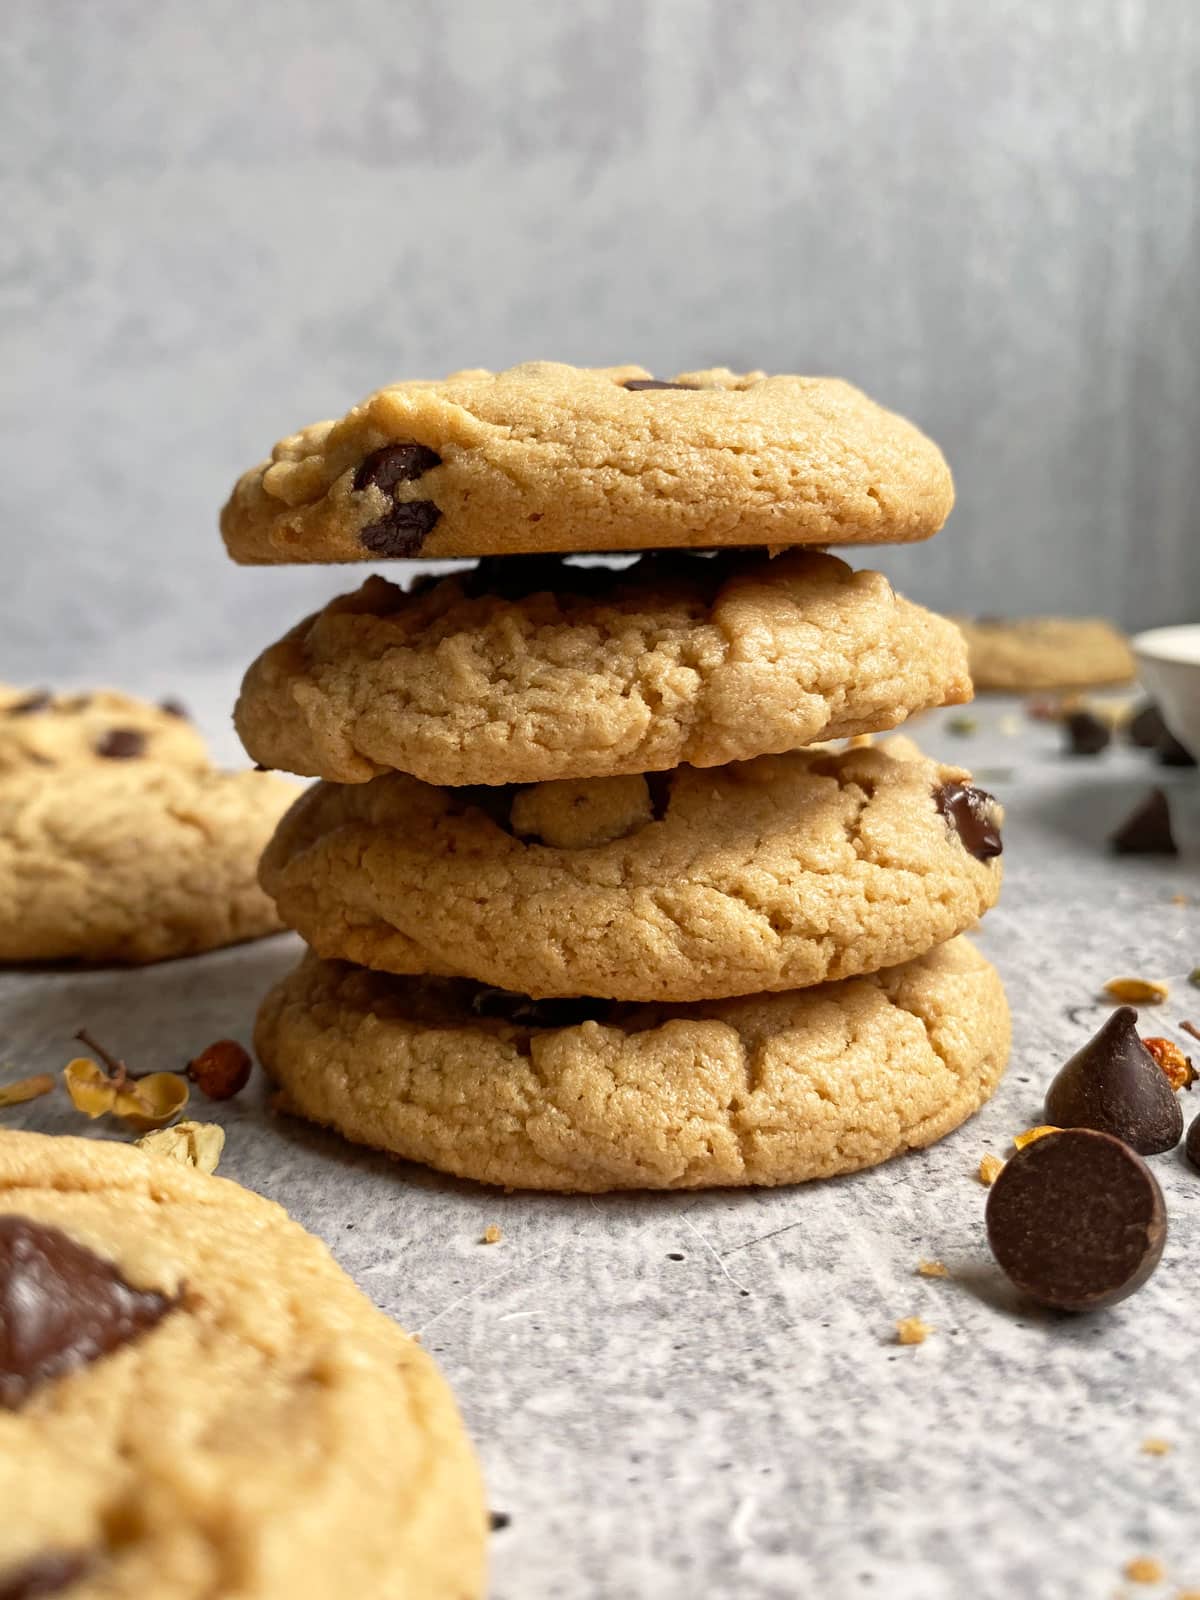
(1010, 725)
(911, 1330)
(1020, 1140)
(1180, 900)
(491, 1234)
(990, 1169)
(1156, 1447)
(933, 1269)
(1135, 991)
(1145, 1569)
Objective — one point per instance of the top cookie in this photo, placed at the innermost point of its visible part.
(546, 457)
(40, 729)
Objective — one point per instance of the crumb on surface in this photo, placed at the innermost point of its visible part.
(1156, 1447)
(933, 1269)
(1145, 1569)
(491, 1234)
(911, 1330)
(990, 1168)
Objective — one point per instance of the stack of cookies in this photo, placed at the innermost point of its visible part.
(591, 901)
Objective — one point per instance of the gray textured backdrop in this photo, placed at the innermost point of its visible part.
(224, 218)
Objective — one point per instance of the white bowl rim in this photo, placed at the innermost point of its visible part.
(1180, 643)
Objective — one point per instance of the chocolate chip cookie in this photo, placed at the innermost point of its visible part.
(529, 668)
(196, 1401)
(41, 729)
(765, 875)
(552, 457)
(583, 1096)
(1019, 654)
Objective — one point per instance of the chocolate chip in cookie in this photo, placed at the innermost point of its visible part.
(402, 529)
(972, 813)
(121, 744)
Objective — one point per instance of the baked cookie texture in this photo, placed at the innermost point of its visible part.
(133, 861)
(553, 457)
(528, 669)
(767, 1090)
(43, 730)
(1024, 653)
(767, 875)
(211, 1407)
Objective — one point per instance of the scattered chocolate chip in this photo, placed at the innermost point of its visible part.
(972, 813)
(498, 1520)
(174, 708)
(638, 384)
(1173, 754)
(1146, 727)
(1086, 734)
(49, 1573)
(393, 464)
(1147, 829)
(1076, 1220)
(1192, 1148)
(36, 700)
(61, 1307)
(567, 1012)
(221, 1070)
(121, 744)
(402, 530)
(1114, 1085)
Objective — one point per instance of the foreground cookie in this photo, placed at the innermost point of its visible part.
(133, 860)
(551, 457)
(526, 669)
(44, 730)
(1026, 653)
(766, 1090)
(771, 874)
(196, 1401)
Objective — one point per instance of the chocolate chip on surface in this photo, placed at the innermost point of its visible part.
(1173, 754)
(36, 700)
(1086, 734)
(402, 530)
(61, 1307)
(49, 1573)
(973, 814)
(121, 744)
(1076, 1220)
(1146, 727)
(1192, 1148)
(638, 384)
(1147, 829)
(1114, 1085)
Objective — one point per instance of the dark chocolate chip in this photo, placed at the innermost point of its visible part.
(49, 1573)
(1173, 754)
(638, 384)
(121, 744)
(972, 813)
(36, 700)
(1076, 1220)
(393, 464)
(402, 530)
(1147, 829)
(1192, 1148)
(1086, 734)
(1114, 1085)
(498, 1520)
(567, 1012)
(61, 1307)
(1146, 727)
(174, 708)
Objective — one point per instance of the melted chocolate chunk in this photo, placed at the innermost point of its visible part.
(972, 814)
(121, 744)
(61, 1307)
(1076, 1220)
(395, 463)
(638, 384)
(1114, 1085)
(1086, 734)
(1147, 829)
(402, 530)
(50, 1573)
(37, 700)
(519, 1008)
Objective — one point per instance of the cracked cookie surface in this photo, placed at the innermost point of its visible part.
(528, 669)
(764, 875)
(200, 1402)
(44, 731)
(768, 1089)
(133, 861)
(552, 457)
(1023, 653)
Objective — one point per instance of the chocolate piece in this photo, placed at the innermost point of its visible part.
(638, 384)
(567, 1012)
(36, 700)
(1173, 754)
(393, 464)
(174, 708)
(1114, 1085)
(972, 814)
(1086, 734)
(1146, 727)
(1076, 1220)
(49, 1573)
(1192, 1148)
(497, 1519)
(121, 744)
(401, 531)
(61, 1307)
(1147, 829)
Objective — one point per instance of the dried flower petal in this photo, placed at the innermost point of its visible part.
(89, 1088)
(491, 1234)
(933, 1269)
(16, 1094)
(911, 1330)
(1030, 1134)
(1156, 1447)
(193, 1144)
(990, 1168)
(1181, 1074)
(1145, 1569)
(1136, 991)
(151, 1102)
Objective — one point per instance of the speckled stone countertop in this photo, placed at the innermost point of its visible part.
(702, 1393)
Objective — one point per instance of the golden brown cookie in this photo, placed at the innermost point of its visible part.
(765, 875)
(527, 668)
(133, 860)
(552, 457)
(1024, 653)
(583, 1096)
(195, 1401)
(40, 729)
